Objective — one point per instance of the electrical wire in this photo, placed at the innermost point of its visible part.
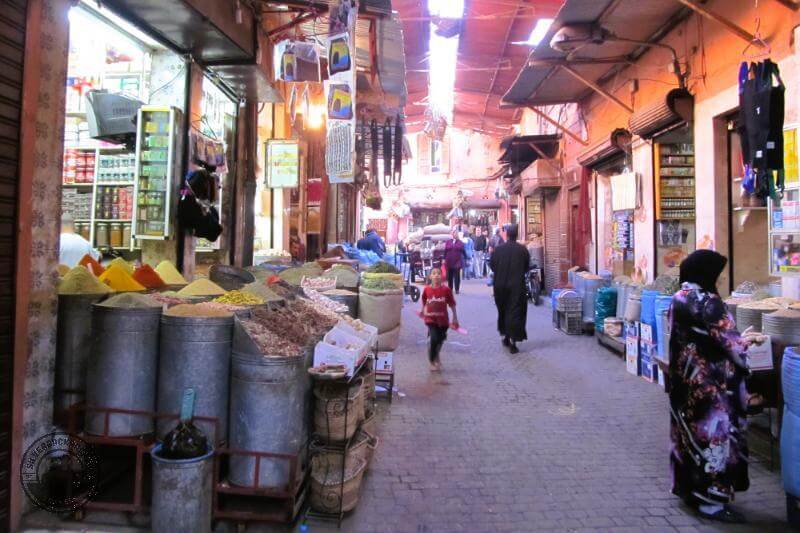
(170, 82)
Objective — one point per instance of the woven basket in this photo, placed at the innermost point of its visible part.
(369, 385)
(338, 410)
(370, 424)
(361, 448)
(569, 301)
(329, 492)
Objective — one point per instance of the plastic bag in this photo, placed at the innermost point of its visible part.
(605, 306)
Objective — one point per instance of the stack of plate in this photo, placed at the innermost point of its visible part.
(749, 314)
(783, 327)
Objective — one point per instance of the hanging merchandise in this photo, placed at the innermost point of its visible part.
(207, 152)
(339, 59)
(296, 61)
(195, 209)
(339, 150)
(293, 104)
(761, 116)
(397, 177)
(387, 152)
(374, 143)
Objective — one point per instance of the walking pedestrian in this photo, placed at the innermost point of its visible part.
(469, 254)
(479, 261)
(494, 242)
(454, 261)
(510, 263)
(707, 394)
(436, 298)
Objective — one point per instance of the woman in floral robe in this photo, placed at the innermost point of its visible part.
(708, 399)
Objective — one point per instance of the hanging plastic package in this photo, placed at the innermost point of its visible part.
(398, 151)
(387, 152)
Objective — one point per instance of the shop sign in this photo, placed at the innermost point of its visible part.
(283, 164)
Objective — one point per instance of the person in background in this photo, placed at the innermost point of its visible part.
(510, 262)
(494, 242)
(479, 261)
(436, 298)
(469, 254)
(372, 242)
(72, 247)
(454, 261)
(707, 394)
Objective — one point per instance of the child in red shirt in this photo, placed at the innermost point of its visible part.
(435, 300)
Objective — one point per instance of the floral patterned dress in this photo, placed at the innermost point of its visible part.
(707, 372)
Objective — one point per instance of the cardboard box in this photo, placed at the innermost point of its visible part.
(648, 350)
(646, 333)
(631, 329)
(632, 364)
(632, 346)
(647, 368)
(384, 361)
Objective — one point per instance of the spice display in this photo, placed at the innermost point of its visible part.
(284, 289)
(91, 264)
(379, 284)
(62, 270)
(324, 301)
(119, 279)
(746, 287)
(169, 273)
(230, 308)
(270, 343)
(760, 305)
(781, 301)
(345, 276)
(790, 313)
(167, 298)
(237, 297)
(318, 284)
(80, 281)
(258, 288)
(196, 310)
(795, 307)
(148, 277)
(382, 267)
(130, 300)
(121, 263)
(320, 318)
(338, 292)
(202, 287)
(295, 275)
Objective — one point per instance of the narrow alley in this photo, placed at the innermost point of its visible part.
(558, 437)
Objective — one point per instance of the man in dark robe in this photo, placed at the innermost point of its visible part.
(510, 263)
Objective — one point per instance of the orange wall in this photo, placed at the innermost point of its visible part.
(713, 54)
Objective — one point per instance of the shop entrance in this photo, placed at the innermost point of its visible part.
(748, 251)
(674, 174)
(613, 229)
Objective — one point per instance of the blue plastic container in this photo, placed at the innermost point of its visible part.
(790, 378)
(605, 306)
(662, 304)
(790, 452)
(649, 307)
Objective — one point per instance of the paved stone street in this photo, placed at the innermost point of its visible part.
(557, 437)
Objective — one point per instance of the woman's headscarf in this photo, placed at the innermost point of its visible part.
(703, 267)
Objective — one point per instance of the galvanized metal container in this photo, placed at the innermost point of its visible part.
(122, 369)
(182, 494)
(268, 407)
(350, 300)
(783, 329)
(195, 353)
(73, 343)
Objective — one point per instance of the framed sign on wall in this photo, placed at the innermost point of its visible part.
(283, 163)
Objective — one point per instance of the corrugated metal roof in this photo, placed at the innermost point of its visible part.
(640, 20)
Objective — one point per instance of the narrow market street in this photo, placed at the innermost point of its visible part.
(558, 437)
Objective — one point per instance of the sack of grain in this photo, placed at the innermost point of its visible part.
(436, 229)
(389, 341)
(381, 309)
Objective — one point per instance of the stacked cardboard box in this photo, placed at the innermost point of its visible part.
(632, 347)
(648, 352)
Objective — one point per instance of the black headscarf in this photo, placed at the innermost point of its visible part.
(703, 267)
(512, 232)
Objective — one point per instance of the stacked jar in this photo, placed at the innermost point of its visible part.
(114, 203)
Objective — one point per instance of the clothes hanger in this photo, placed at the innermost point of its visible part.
(763, 49)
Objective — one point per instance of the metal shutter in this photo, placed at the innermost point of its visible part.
(12, 49)
(552, 241)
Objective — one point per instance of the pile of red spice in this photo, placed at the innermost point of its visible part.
(91, 264)
(148, 277)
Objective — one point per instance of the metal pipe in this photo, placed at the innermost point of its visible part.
(596, 88)
(558, 126)
(738, 30)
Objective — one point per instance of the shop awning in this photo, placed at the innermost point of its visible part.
(615, 144)
(208, 31)
(554, 77)
(520, 151)
(673, 109)
(541, 174)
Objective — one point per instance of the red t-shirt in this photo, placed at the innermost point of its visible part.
(435, 302)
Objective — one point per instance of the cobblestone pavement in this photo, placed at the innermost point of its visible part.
(557, 437)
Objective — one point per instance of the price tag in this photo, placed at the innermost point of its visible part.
(187, 405)
(759, 357)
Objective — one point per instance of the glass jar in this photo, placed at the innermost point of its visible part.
(101, 234)
(115, 235)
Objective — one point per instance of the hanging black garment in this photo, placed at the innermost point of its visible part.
(398, 151)
(777, 106)
(387, 152)
(373, 156)
(744, 103)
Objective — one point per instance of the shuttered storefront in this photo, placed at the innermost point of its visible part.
(12, 47)
(552, 241)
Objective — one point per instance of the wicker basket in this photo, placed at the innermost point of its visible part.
(571, 322)
(370, 424)
(329, 492)
(338, 410)
(361, 449)
(369, 384)
(568, 301)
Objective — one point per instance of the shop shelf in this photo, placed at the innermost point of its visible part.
(747, 208)
(77, 184)
(112, 220)
(114, 183)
